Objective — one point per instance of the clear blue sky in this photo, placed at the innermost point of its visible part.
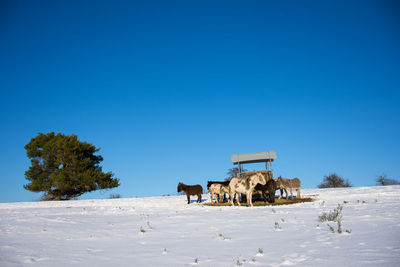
(170, 89)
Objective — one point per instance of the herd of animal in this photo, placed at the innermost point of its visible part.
(254, 182)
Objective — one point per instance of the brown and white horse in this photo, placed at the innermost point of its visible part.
(218, 191)
(246, 186)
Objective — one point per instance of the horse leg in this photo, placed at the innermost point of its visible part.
(232, 196)
(188, 198)
(298, 192)
(271, 197)
(199, 198)
(237, 197)
(249, 199)
(280, 196)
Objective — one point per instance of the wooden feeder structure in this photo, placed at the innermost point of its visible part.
(268, 157)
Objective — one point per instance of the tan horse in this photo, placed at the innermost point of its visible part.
(288, 184)
(246, 186)
(218, 190)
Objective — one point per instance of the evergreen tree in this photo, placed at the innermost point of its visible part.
(64, 167)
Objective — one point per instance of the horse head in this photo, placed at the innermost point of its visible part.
(179, 187)
(258, 178)
(208, 184)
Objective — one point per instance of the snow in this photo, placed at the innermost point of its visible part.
(165, 231)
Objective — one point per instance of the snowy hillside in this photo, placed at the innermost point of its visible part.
(165, 231)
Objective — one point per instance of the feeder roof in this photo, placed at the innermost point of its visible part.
(267, 156)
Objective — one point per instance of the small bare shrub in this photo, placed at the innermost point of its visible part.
(220, 235)
(384, 180)
(331, 228)
(334, 180)
(339, 226)
(334, 216)
(239, 262)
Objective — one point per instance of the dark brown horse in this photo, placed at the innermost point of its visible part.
(191, 190)
(267, 190)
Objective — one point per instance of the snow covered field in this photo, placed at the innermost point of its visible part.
(165, 231)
